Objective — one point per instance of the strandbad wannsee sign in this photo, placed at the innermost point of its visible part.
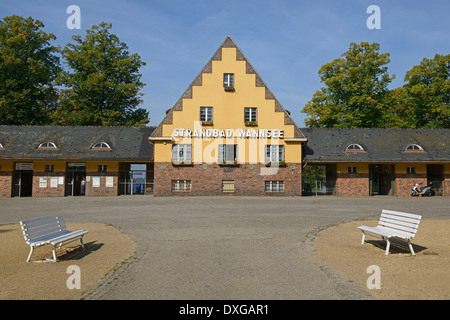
(228, 133)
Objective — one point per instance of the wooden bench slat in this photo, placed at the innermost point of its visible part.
(397, 226)
(400, 220)
(404, 214)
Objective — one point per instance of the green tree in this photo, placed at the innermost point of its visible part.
(428, 93)
(28, 67)
(102, 84)
(355, 91)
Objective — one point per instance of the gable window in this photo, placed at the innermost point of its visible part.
(182, 153)
(206, 115)
(250, 116)
(228, 81)
(274, 153)
(354, 147)
(413, 148)
(101, 146)
(228, 153)
(47, 145)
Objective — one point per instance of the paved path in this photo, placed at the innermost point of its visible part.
(222, 247)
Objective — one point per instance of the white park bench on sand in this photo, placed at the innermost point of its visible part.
(49, 230)
(394, 224)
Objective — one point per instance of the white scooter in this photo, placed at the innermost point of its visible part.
(426, 192)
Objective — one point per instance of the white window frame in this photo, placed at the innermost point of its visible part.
(228, 80)
(181, 185)
(352, 169)
(250, 114)
(228, 153)
(273, 186)
(206, 114)
(274, 152)
(47, 145)
(101, 145)
(354, 147)
(1, 146)
(102, 167)
(182, 153)
(414, 147)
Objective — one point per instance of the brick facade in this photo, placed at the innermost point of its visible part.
(48, 184)
(405, 182)
(352, 184)
(5, 184)
(207, 179)
(102, 190)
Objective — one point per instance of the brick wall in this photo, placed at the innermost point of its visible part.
(405, 182)
(447, 185)
(54, 189)
(5, 184)
(103, 190)
(206, 179)
(352, 184)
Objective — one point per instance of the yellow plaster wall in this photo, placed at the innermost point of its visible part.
(228, 113)
(7, 165)
(421, 168)
(360, 167)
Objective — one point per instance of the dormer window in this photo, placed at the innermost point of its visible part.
(413, 148)
(101, 146)
(354, 148)
(47, 146)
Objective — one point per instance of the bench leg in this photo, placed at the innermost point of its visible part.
(54, 253)
(81, 241)
(411, 247)
(363, 237)
(31, 252)
(388, 244)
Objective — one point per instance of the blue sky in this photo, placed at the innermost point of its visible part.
(286, 41)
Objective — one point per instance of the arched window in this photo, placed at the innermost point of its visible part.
(413, 147)
(101, 146)
(354, 147)
(47, 145)
(1, 146)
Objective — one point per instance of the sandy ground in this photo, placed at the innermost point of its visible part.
(105, 247)
(402, 276)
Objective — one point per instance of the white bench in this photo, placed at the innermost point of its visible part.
(394, 224)
(49, 230)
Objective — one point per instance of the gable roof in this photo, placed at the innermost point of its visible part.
(74, 143)
(228, 43)
(380, 145)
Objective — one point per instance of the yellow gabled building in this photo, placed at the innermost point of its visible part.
(227, 134)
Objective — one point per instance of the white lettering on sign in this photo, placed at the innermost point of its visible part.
(228, 133)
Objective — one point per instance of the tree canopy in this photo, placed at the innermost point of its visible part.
(356, 93)
(102, 85)
(28, 67)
